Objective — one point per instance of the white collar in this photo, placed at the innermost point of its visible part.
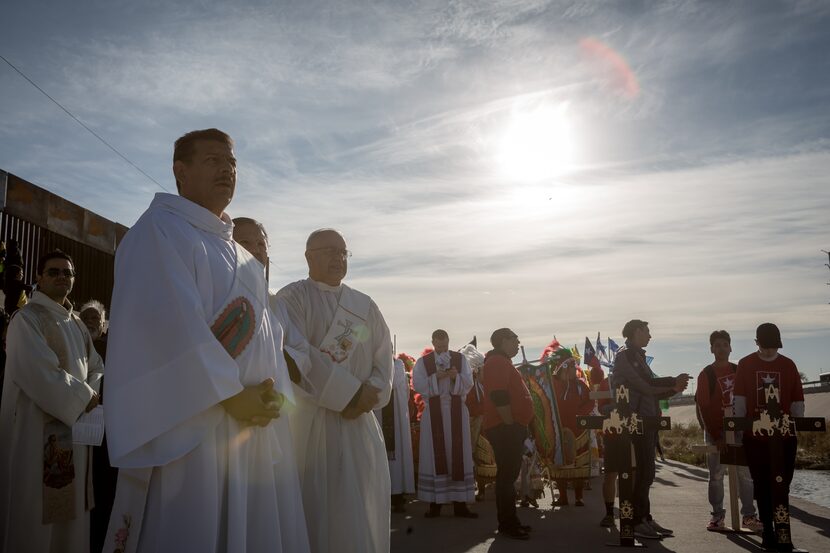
(322, 286)
(42, 299)
(195, 214)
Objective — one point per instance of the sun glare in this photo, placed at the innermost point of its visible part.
(537, 144)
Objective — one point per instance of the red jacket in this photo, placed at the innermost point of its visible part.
(500, 376)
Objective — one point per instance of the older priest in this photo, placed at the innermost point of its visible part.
(52, 377)
(340, 449)
(193, 416)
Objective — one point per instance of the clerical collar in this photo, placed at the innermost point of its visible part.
(195, 214)
(326, 287)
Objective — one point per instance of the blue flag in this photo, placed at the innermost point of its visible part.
(612, 345)
(601, 348)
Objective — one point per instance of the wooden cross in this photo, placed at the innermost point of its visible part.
(774, 424)
(732, 457)
(622, 424)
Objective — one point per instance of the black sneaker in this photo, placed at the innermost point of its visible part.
(645, 531)
(514, 532)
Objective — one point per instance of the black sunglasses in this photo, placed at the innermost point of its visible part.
(54, 273)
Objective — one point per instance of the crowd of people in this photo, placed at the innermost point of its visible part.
(239, 420)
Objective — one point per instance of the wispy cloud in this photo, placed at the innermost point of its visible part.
(700, 202)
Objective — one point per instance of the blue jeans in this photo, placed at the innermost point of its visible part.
(716, 472)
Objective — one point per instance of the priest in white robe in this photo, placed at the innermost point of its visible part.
(193, 402)
(445, 467)
(340, 451)
(53, 374)
(394, 423)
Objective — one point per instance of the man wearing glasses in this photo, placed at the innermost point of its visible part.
(344, 471)
(52, 378)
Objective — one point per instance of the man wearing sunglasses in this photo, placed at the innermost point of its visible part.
(52, 377)
(344, 471)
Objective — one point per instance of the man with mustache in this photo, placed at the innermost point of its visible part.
(193, 408)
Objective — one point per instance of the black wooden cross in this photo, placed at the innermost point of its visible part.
(774, 424)
(622, 424)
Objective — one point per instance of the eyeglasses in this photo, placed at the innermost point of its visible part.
(54, 273)
(331, 252)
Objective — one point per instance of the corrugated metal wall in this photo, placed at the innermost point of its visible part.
(41, 221)
(94, 267)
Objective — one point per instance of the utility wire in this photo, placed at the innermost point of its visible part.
(81, 123)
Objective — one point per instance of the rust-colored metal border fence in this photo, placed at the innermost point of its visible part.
(41, 222)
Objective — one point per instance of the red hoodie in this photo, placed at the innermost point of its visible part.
(499, 374)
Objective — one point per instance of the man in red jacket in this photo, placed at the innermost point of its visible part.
(508, 411)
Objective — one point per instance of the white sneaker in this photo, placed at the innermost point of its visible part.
(753, 523)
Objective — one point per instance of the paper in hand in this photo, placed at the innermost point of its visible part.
(89, 428)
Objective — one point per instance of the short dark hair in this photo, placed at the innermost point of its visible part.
(54, 254)
(439, 334)
(185, 145)
(239, 221)
(768, 336)
(498, 336)
(14, 269)
(719, 335)
(632, 326)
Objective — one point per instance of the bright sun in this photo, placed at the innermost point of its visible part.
(537, 144)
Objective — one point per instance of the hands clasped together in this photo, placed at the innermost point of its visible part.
(364, 400)
(255, 405)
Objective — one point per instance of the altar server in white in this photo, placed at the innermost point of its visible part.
(445, 468)
(340, 451)
(192, 398)
(52, 377)
(394, 423)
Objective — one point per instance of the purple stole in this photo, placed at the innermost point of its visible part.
(436, 418)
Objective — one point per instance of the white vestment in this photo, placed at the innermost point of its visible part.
(343, 468)
(401, 465)
(433, 487)
(42, 385)
(192, 477)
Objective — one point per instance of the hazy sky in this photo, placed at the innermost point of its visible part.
(555, 167)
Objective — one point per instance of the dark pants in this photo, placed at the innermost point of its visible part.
(508, 445)
(104, 479)
(767, 459)
(644, 476)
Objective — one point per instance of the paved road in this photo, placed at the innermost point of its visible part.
(678, 502)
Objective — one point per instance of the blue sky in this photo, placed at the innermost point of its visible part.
(555, 167)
